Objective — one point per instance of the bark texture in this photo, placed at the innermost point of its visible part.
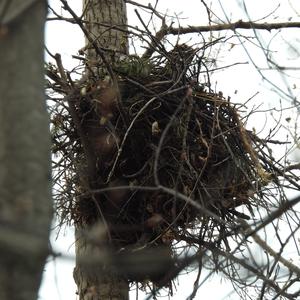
(106, 23)
(25, 197)
(92, 273)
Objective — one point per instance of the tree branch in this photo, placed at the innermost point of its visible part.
(292, 267)
(231, 26)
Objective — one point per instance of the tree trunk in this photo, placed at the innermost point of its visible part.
(94, 278)
(102, 17)
(25, 197)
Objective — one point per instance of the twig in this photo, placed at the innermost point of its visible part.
(269, 250)
(102, 56)
(274, 215)
(85, 143)
(125, 137)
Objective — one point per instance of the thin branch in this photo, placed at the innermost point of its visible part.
(232, 26)
(85, 143)
(274, 215)
(269, 250)
(125, 137)
(101, 55)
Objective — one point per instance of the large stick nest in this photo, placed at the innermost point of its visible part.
(153, 153)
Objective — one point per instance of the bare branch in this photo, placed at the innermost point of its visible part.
(232, 26)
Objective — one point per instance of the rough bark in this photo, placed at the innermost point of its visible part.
(25, 197)
(106, 23)
(97, 281)
(93, 275)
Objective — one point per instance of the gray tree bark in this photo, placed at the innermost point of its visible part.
(106, 20)
(96, 280)
(25, 189)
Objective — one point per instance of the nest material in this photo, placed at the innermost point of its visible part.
(168, 132)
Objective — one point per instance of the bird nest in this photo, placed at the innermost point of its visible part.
(154, 153)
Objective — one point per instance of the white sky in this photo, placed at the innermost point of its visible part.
(67, 39)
